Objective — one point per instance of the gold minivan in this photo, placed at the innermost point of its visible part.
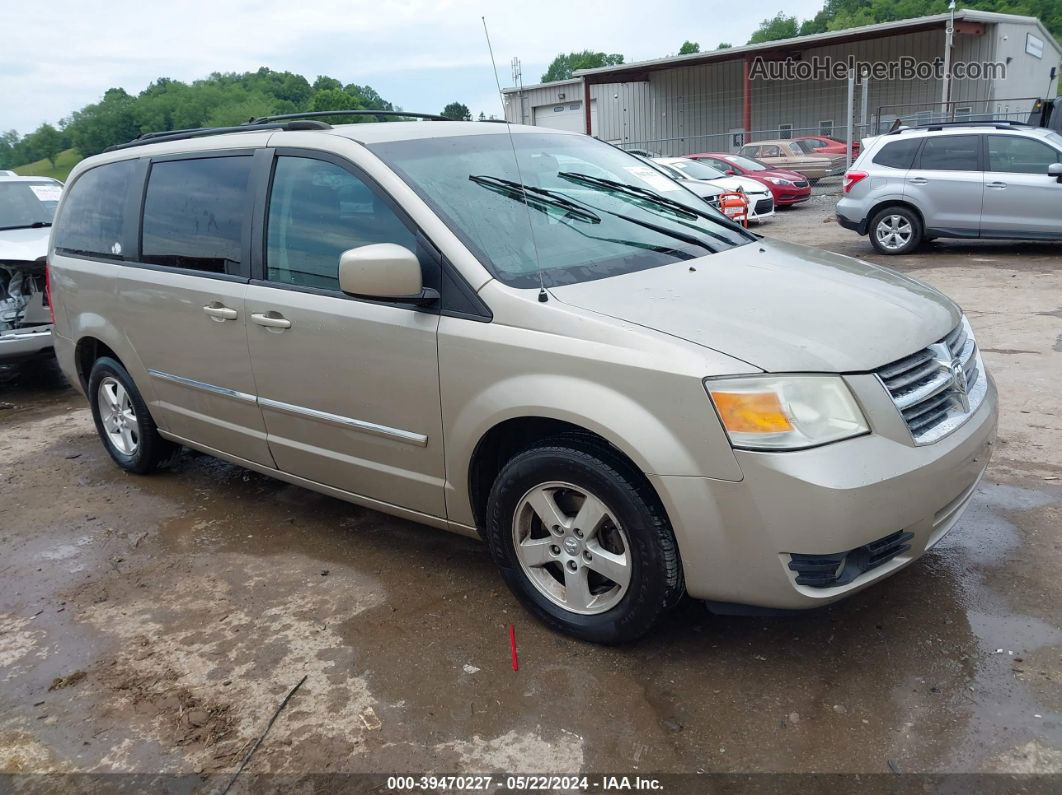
(525, 335)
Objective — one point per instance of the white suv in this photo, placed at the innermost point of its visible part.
(966, 180)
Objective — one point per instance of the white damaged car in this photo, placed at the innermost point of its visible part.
(694, 173)
(27, 205)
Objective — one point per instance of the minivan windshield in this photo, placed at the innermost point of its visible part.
(24, 205)
(574, 209)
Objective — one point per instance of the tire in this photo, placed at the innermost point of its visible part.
(123, 422)
(895, 230)
(570, 470)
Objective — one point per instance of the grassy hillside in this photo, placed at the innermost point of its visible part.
(42, 168)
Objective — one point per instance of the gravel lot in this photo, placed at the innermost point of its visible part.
(155, 624)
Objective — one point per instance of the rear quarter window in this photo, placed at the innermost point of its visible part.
(92, 217)
(898, 154)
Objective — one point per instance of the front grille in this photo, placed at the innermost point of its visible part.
(928, 389)
(840, 568)
(803, 184)
(764, 206)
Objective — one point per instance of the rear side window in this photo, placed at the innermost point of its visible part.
(898, 154)
(93, 213)
(950, 153)
(1017, 155)
(318, 210)
(194, 213)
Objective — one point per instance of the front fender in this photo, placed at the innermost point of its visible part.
(657, 443)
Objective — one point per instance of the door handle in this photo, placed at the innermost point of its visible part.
(996, 185)
(918, 181)
(270, 320)
(219, 312)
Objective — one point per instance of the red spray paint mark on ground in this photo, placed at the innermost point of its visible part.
(512, 646)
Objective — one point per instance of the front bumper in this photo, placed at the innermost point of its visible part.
(787, 196)
(736, 538)
(25, 343)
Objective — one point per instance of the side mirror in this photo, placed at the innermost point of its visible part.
(730, 172)
(1055, 170)
(383, 270)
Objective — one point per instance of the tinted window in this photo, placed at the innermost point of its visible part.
(950, 153)
(317, 211)
(898, 154)
(1020, 155)
(194, 213)
(92, 217)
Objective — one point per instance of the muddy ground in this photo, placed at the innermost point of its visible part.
(153, 624)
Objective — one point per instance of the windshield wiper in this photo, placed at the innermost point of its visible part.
(539, 198)
(632, 190)
(34, 225)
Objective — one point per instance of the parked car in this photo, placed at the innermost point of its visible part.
(965, 180)
(787, 187)
(628, 396)
(6, 173)
(828, 145)
(790, 155)
(693, 174)
(27, 205)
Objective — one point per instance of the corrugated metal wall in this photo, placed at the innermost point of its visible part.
(692, 108)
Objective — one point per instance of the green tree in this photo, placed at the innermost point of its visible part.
(458, 111)
(45, 143)
(689, 48)
(724, 45)
(565, 64)
(777, 27)
(109, 121)
(9, 142)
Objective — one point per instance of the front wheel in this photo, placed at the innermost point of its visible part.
(583, 542)
(895, 230)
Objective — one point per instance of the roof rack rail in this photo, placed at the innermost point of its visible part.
(201, 132)
(316, 113)
(940, 125)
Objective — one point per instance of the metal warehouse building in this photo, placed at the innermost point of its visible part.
(715, 101)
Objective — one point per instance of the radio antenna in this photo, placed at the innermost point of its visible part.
(543, 296)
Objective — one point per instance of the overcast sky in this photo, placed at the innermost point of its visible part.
(58, 56)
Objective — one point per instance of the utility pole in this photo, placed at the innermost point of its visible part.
(849, 119)
(518, 81)
(945, 92)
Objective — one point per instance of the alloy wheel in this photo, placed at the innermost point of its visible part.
(894, 232)
(572, 548)
(118, 416)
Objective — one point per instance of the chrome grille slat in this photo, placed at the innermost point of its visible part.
(928, 392)
(939, 383)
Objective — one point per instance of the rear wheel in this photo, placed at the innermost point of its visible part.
(583, 542)
(123, 421)
(895, 230)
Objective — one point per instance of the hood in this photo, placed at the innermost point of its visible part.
(783, 173)
(746, 184)
(779, 306)
(24, 244)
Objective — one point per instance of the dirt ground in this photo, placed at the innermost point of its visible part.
(155, 624)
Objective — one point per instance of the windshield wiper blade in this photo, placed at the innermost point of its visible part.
(631, 190)
(34, 225)
(535, 196)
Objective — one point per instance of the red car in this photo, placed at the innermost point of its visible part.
(787, 187)
(826, 145)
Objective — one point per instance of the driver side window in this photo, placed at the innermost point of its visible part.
(318, 210)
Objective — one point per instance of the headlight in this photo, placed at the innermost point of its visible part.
(787, 412)
(778, 181)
